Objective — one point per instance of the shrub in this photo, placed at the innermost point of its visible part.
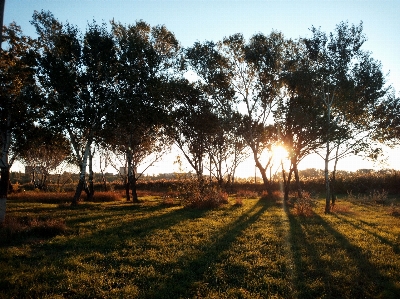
(378, 197)
(304, 205)
(239, 201)
(196, 194)
(374, 197)
(394, 210)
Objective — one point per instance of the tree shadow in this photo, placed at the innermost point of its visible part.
(395, 246)
(336, 269)
(188, 282)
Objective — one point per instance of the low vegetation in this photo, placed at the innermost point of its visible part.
(245, 248)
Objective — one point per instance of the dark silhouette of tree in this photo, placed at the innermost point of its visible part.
(136, 122)
(19, 104)
(76, 74)
(223, 148)
(348, 82)
(255, 69)
(193, 124)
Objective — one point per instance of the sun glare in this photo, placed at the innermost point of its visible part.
(279, 153)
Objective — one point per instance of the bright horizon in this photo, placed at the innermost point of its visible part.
(201, 20)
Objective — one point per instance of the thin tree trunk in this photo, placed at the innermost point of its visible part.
(327, 186)
(297, 178)
(266, 182)
(127, 189)
(333, 183)
(81, 183)
(4, 169)
(327, 198)
(90, 194)
(4, 183)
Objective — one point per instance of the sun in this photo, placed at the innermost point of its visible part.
(279, 154)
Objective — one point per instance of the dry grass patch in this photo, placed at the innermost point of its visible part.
(16, 228)
(341, 208)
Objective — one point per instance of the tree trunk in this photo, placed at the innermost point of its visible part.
(333, 182)
(327, 186)
(4, 168)
(4, 183)
(81, 183)
(297, 178)
(266, 182)
(78, 191)
(132, 184)
(127, 189)
(131, 178)
(287, 183)
(328, 103)
(90, 193)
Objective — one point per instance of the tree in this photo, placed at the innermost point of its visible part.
(44, 151)
(255, 70)
(19, 101)
(212, 70)
(387, 116)
(136, 125)
(194, 123)
(76, 76)
(299, 114)
(347, 80)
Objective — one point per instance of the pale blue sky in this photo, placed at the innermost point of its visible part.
(200, 20)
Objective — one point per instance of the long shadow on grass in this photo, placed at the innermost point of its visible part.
(354, 277)
(82, 215)
(188, 282)
(117, 230)
(95, 247)
(308, 264)
(99, 212)
(395, 246)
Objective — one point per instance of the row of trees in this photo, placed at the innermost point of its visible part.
(122, 89)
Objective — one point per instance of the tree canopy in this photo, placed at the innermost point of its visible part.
(123, 88)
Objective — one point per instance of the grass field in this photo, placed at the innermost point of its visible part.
(152, 250)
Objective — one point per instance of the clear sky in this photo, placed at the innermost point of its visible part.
(201, 20)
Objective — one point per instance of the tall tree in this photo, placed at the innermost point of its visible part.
(299, 114)
(137, 119)
(347, 80)
(76, 75)
(19, 101)
(213, 80)
(255, 69)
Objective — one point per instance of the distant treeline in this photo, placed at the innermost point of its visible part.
(312, 181)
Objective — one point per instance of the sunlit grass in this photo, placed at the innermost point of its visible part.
(254, 250)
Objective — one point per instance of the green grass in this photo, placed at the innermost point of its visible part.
(153, 250)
